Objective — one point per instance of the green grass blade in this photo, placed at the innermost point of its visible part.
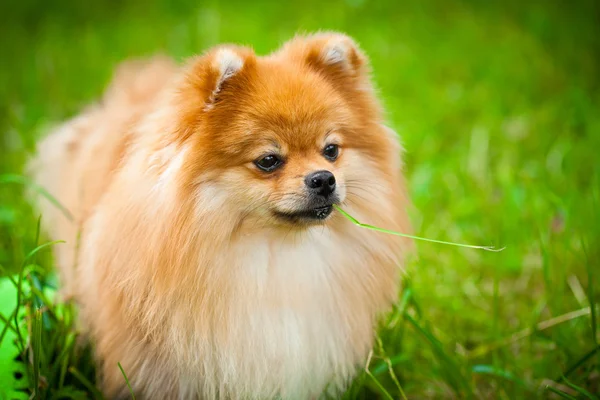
(19, 179)
(7, 326)
(374, 228)
(560, 393)
(590, 291)
(69, 393)
(33, 252)
(393, 361)
(85, 382)
(540, 326)
(390, 366)
(580, 390)
(500, 373)
(452, 369)
(381, 388)
(37, 290)
(36, 345)
(586, 357)
(401, 308)
(20, 289)
(63, 358)
(22, 343)
(126, 380)
(6, 275)
(37, 231)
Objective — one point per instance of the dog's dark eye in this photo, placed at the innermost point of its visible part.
(331, 152)
(268, 163)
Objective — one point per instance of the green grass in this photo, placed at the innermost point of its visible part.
(498, 106)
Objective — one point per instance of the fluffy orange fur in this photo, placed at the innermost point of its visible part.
(183, 273)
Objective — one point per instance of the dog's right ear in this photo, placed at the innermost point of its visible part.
(218, 73)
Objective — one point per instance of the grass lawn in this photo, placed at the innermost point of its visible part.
(498, 107)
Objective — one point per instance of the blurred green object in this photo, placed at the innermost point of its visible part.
(13, 382)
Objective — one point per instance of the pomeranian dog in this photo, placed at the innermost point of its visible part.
(204, 251)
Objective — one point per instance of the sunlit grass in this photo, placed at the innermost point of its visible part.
(497, 106)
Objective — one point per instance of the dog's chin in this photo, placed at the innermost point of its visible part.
(305, 216)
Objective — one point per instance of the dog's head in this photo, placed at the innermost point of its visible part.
(284, 137)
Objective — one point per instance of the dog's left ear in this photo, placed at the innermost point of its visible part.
(334, 55)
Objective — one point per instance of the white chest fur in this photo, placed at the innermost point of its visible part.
(295, 318)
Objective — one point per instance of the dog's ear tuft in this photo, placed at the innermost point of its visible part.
(226, 63)
(334, 55)
(210, 75)
(341, 50)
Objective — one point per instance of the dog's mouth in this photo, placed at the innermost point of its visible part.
(310, 214)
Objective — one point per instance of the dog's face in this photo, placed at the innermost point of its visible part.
(287, 136)
(290, 179)
(287, 145)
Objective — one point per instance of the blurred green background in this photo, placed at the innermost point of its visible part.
(498, 107)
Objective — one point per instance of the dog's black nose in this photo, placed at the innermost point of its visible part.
(320, 182)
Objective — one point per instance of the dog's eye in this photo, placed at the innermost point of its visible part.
(331, 152)
(268, 163)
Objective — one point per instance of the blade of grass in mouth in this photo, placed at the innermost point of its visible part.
(374, 228)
